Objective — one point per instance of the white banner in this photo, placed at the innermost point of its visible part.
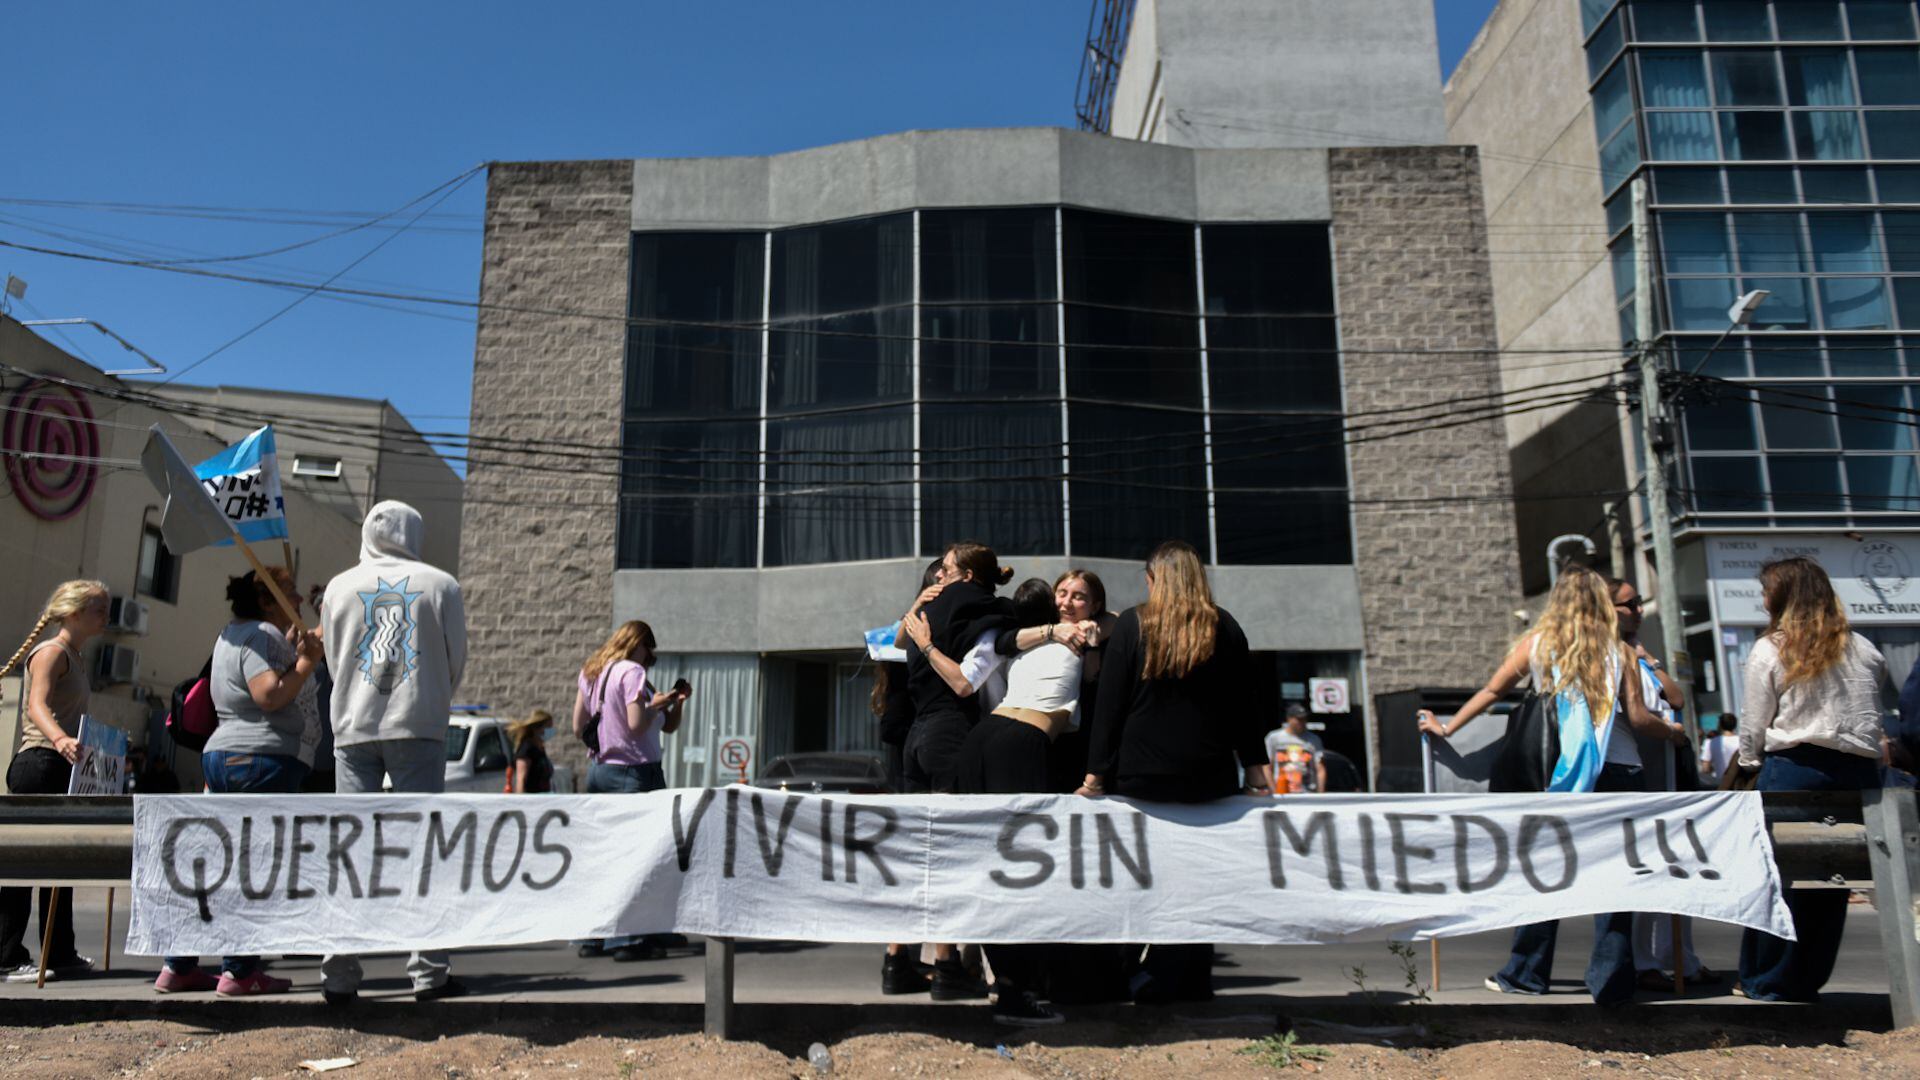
(370, 873)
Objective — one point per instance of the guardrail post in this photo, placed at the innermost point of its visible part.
(720, 987)
(1893, 847)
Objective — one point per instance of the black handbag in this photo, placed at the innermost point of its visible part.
(591, 736)
(1531, 747)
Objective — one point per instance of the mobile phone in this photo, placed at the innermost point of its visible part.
(682, 686)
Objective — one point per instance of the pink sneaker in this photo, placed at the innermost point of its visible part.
(257, 983)
(173, 982)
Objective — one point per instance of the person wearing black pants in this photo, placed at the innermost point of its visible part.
(58, 692)
(1173, 725)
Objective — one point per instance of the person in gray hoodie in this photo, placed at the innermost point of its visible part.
(396, 641)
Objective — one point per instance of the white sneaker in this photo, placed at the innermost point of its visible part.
(28, 972)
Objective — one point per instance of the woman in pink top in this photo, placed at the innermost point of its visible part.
(628, 714)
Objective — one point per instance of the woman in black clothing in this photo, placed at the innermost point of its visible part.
(965, 616)
(892, 701)
(1173, 724)
(532, 768)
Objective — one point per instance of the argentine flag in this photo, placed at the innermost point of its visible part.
(244, 483)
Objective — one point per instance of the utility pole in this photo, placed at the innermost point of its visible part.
(1656, 442)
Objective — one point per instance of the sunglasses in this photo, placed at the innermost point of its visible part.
(1634, 604)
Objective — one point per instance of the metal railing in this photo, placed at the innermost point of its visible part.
(1836, 839)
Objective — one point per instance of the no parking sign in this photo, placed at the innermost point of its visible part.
(1328, 695)
(736, 755)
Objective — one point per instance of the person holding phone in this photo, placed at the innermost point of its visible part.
(617, 698)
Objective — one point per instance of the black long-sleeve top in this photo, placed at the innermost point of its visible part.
(1190, 727)
(956, 618)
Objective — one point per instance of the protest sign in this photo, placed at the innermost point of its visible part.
(101, 768)
(369, 873)
(244, 483)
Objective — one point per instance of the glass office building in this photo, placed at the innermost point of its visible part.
(1781, 145)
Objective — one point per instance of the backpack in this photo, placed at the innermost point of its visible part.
(191, 719)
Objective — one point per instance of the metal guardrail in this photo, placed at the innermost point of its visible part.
(1835, 839)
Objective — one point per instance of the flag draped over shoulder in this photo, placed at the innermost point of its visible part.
(190, 520)
(244, 483)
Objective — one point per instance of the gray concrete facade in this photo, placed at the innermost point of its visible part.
(1280, 73)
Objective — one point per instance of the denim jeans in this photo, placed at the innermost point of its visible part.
(1774, 969)
(232, 772)
(414, 765)
(1610, 971)
(36, 771)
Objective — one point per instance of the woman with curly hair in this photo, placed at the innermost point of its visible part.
(1575, 654)
(1810, 721)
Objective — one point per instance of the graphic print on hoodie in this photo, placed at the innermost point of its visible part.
(387, 650)
(396, 635)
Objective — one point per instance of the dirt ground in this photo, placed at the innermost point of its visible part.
(1659, 1043)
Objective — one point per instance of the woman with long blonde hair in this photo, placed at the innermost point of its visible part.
(622, 715)
(1810, 720)
(1574, 654)
(1174, 723)
(57, 693)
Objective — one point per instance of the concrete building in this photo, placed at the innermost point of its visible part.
(1775, 143)
(347, 452)
(824, 365)
(98, 517)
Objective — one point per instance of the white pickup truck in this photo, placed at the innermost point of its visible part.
(480, 753)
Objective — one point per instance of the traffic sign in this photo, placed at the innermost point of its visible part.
(1328, 695)
(736, 755)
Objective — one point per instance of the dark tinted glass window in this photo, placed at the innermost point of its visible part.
(1682, 186)
(1880, 19)
(1839, 185)
(1273, 362)
(1737, 20)
(1809, 482)
(842, 315)
(1903, 240)
(688, 487)
(1665, 20)
(1754, 136)
(1752, 185)
(1857, 357)
(1883, 483)
(683, 278)
(1871, 418)
(689, 494)
(839, 487)
(1898, 183)
(1888, 76)
(1745, 77)
(1727, 484)
(1808, 20)
(1723, 423)
(994, 472)
(987, 280)
(1132, 334)
(1138, 478)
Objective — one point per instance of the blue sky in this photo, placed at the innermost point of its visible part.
(261, 109)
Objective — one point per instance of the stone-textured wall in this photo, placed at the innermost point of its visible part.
(1438, 582)
(537, 556)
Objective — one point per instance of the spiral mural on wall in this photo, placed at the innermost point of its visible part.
(50, 445)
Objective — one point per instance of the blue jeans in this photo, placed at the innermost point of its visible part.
(608, 779)
(1610, 971)
(231, 772)
(1774, 969)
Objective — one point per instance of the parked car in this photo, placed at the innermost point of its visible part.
(852, 774)
(480, 753)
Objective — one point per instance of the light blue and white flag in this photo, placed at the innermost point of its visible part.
(883, 644)
(244, 482)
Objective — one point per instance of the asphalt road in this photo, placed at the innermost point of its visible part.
(793, 972)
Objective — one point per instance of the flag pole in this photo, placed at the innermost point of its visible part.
(286, 554)
(260, 571)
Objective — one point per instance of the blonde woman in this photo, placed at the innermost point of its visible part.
(1575, 653)
(619, 701)
(57, 695)
(1810, 720)
(1172, 725)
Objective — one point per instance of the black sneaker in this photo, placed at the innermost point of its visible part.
(902, 974)
(1023, 1009)
(339, 999)
(953, 982)
(452, 988)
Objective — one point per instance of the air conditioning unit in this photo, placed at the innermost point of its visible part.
(126, 616)
(115, 664)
